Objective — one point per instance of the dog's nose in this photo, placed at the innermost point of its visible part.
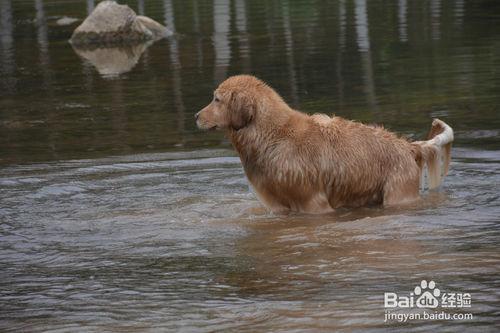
(196, 115)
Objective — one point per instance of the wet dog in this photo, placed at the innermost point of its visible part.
(314, 164)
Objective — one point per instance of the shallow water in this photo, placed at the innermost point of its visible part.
(117, 214)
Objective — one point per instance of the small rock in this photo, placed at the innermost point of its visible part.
(111, 23)
(65, 20)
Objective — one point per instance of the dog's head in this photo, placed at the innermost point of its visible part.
(233, 107)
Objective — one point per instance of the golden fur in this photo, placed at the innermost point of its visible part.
(318, 163)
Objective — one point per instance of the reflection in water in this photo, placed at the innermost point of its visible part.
(342, 24)
(7, 46)
(341, 47)
(112, 61)
(435, 18)
(168, 14)
(175, 64)
(292, 74)
(222, 48)
(304, 253)
(241, 27)
(197, 30)
(402, 20)
(281, 41)
(459, 12)
(88, 71)
(270, 23)
(43, 42)
(362, 33)
(363, 39)
(90, 6)
(140, 7)
(87, 66)
(118, 113)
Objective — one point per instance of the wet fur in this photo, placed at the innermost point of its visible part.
(318, 163)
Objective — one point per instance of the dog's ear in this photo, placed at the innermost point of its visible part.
(242, 111)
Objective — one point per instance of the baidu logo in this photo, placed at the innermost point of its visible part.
(424, 300)
(427, 296)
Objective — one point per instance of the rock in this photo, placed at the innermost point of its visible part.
(158, 30)
(111, 23)
(65, 20)
(113, 61)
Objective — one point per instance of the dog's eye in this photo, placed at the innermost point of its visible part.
(216, 99)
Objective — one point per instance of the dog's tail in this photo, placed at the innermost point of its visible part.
(435, 153)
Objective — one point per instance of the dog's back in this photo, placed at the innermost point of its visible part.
(365, 163)
(325, 163)
(329, 163)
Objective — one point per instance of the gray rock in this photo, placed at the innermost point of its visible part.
(65, 20)
(111, 23)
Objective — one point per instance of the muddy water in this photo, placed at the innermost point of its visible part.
(116, 214)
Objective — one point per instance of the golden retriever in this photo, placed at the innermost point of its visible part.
(314, 164)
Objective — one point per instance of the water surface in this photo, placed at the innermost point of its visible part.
(117, 214)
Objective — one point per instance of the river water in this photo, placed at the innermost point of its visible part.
(117, 214)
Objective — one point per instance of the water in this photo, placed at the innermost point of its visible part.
(117, 214)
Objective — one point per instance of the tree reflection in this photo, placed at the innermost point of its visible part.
(43, 42)
(402, 20)
(292, 74)
(7, 45)
(363, 41)
(435, 18)
(175, 64)
(221, 39)
(242, 28)
(90, 6)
